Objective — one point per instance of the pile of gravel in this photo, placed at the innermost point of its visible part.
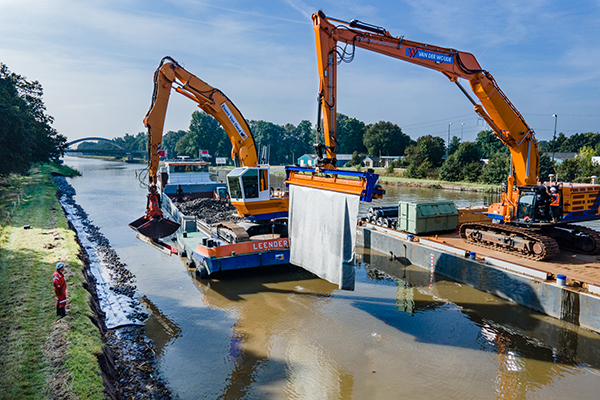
(210, 210)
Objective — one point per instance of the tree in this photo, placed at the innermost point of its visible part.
(423, 156)
(463, 164)
(488, 144)
(356, 159)
(497, 169)
(557, 145)
(296, 142)
(567, 170)
(586, 167)
(205, 133)
(271, 135)
(454, 143)
(426, 147)
(546, 168)
(169, 142)
(580, 169)
(127, 141)
(26, 134)
(350, 132)
(451, 170)
(420, 171)
(386, 139)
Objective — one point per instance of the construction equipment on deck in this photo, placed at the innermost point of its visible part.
(248, 183)
(523, 220)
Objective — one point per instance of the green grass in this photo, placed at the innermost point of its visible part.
(433, 182)
(31, 365)
(384, 176)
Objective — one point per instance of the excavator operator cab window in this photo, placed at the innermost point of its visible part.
(233, 182)
(250, 184)
(526, 207)
(234, 187)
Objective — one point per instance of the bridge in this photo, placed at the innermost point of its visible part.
(121, 150)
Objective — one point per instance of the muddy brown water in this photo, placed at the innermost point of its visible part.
(285, 334)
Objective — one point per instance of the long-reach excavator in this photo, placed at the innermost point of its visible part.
(248, 182)
(522, 222)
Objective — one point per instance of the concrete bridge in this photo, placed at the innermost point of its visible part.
(120, 148)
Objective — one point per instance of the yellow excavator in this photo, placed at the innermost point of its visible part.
(531, 220)
(248, 182)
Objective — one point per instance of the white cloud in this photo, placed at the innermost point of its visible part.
(96, 59)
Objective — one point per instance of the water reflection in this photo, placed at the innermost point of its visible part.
(265, 305)
(164, 329)
(532, 350)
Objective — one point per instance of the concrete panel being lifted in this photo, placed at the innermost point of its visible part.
(322, 230)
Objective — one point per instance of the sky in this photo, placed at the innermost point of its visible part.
(96, 59)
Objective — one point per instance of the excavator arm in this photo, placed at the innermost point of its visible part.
(494, 107)
(214, 102)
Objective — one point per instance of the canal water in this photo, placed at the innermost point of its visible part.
(285, 334)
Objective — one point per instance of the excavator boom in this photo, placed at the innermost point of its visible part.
(211, 100)
(495, 108)
(530, 225)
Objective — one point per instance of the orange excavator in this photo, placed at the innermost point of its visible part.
(531, 220)
(248, 182)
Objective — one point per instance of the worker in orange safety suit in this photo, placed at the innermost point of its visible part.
(60, 289)
(555, 204)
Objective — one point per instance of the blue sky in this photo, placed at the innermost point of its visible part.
(95, 60)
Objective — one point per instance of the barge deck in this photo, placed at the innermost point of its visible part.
(207, 252)
(532, 284)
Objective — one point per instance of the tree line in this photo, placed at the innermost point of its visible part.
(286, 142)
(26, 133)
(424, 158)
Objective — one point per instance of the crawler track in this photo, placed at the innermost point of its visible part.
(540, 247)
(577, 238)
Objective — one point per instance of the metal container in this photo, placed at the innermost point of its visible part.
(420, 218)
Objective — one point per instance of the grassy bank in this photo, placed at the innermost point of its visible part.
(42, 356)
(436, 184)
(396, 178)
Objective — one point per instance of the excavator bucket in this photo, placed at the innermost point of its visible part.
(363, 184)
(155, 228)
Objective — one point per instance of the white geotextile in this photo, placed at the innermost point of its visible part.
(116, 307)
(322, 234)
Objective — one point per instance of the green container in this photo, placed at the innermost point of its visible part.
(419, 218)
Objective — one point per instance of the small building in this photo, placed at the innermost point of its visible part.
(307, 160)
(384, 161)
(370, 162)
(343, 159)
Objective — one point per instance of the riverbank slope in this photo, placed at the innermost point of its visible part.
(42, 356)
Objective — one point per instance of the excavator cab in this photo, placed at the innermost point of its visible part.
(250, 194)
(534, 205)
(249, 184)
